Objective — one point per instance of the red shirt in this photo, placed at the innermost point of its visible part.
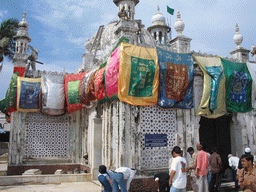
(202, 163)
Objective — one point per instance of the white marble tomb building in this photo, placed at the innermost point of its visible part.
(113, 133)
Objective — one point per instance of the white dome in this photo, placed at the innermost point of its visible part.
(158, 19)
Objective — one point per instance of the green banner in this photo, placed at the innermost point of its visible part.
(238, 86)
(142, 77)
(73, 92)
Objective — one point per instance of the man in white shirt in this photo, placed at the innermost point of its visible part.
(178, 176)
(119, 176)
(233, 163)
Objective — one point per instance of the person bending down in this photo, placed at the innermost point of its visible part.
(119, 176)
(162, 180)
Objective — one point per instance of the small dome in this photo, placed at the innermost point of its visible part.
(23, 22)
(158, 19)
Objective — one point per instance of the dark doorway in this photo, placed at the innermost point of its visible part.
(4, 137)
(216, 133)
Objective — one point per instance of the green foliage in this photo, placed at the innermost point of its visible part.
(8, 30)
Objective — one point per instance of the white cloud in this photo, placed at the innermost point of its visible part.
(76, 40)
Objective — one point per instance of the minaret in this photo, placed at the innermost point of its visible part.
(22, 38)
(240, 54)
(158, 28)
(126, 8)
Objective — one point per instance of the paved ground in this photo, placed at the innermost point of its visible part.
(63, 187)
(77, 187)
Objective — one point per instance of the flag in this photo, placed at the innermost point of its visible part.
(238, 86)
(213, 103)
(170, 10)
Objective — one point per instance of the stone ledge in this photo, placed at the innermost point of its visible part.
(44, 179)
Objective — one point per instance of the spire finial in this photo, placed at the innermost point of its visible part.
(178, 14)
(179, 25)
(238, 37)
(24, 15)
(237, 28)
(158, 8)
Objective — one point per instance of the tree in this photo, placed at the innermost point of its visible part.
(8, 30)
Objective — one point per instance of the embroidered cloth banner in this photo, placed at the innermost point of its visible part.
(72, 85)
(19, 71)
(11, 95)
(86, 91)
(110, 78)
(176, 80)
(28, 94)
(112, 73)
(238, 86)
(138, 75)
(53, 94)
(213, 103)
(100, 93)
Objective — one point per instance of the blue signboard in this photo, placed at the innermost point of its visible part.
(155, 140)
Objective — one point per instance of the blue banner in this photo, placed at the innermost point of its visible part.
(186, 63)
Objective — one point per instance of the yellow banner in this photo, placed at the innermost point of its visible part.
(138, 75)
(206, 63)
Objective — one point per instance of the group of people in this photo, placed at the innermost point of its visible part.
(204, 171)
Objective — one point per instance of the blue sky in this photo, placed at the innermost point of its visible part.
(59, 28)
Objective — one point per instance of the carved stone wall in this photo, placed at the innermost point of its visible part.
(38, 138)
(46, 136)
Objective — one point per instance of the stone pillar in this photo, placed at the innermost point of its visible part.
(157, 36)
(97, 147)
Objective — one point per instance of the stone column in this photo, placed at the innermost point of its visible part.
(157, 36)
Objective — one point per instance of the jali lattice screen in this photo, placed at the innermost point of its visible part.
(46, 136)
(155, 120)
